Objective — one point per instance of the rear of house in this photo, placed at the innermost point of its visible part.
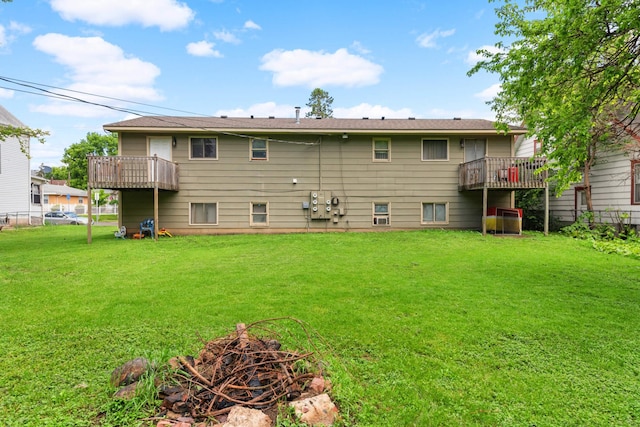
(262, 175)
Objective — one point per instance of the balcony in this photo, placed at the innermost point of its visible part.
(509, 173)
(132, 172)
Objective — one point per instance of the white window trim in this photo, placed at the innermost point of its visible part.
(634, 181)
(376, 218)
(258, 159)
(206, 224)
(373, 150)
(434, 139)
(434, 222)
(205, 158)
(258, 224)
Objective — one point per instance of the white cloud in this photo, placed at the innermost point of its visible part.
(358, 47)
(317, 69)
(19, 28)
(165, 14)
(429, 40)
(203, 48)
(226, 37)
(473, 57)
(372, 111)
(98, 67)
(264, 109)
(9, 34)
(489, 93)
(6, 93)
(267, 109)
(250, 25)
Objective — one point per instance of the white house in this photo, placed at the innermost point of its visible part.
(20, 199)
(615, 185)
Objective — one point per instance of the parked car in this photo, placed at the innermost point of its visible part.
(57, 218)
(81, 219)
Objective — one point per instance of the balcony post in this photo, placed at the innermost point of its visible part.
(155, 196)
(546, 210)
(485, 202)
(89, 212)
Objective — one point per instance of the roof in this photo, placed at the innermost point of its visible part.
(63, 190)
(307, 125)
(6, 118)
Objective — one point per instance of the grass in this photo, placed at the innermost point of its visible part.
(425, 328)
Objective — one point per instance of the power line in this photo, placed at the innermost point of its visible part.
(141, 113)
(35, 85)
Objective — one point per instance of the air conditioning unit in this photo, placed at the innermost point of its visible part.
(380, 220)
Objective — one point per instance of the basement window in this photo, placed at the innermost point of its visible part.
(259, 214)
(434, 213)
(203, 213)
(381, 215)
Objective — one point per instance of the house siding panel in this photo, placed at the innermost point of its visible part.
(342, 168)
(15, 174)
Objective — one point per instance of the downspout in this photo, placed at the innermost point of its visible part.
(30, 193)
(320, 163)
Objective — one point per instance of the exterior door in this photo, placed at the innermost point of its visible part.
(160, 146)
(474, 149)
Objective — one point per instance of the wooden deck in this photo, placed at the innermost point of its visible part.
(132, 172)
(509, 173)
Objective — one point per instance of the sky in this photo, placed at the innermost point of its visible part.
(397, 59)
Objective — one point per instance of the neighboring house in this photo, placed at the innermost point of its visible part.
(65, 198)
(615, 185)
(209, 175)
(20, 200)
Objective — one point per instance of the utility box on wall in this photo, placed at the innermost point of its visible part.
(320, 205)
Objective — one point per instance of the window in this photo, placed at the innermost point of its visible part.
(381, 214)
(635, 182)
(259, 149)
(204, 213)
(204, 148)
(537, 147)
(35, 194)
(434, 213)
(46, 199)
(259, 213)
(435, 149)
(381, 150)
(80, 201)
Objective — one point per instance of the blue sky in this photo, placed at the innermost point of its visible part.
(398, 59)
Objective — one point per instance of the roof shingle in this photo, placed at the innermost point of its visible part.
(305, 125)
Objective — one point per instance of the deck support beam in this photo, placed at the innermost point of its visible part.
(485, 203)
(89, 211)
(546, 210)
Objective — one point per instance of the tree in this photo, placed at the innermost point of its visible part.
(571, 75)
(75, 156)
(22, 134)
(320, 104)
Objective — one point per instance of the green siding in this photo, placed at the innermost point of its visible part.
(342, 168)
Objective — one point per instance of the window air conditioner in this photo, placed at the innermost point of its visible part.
(380, 220)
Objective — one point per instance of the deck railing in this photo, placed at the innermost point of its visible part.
(129, 172)
(503, 172)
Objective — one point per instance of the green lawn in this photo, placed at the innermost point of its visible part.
(421, 328)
